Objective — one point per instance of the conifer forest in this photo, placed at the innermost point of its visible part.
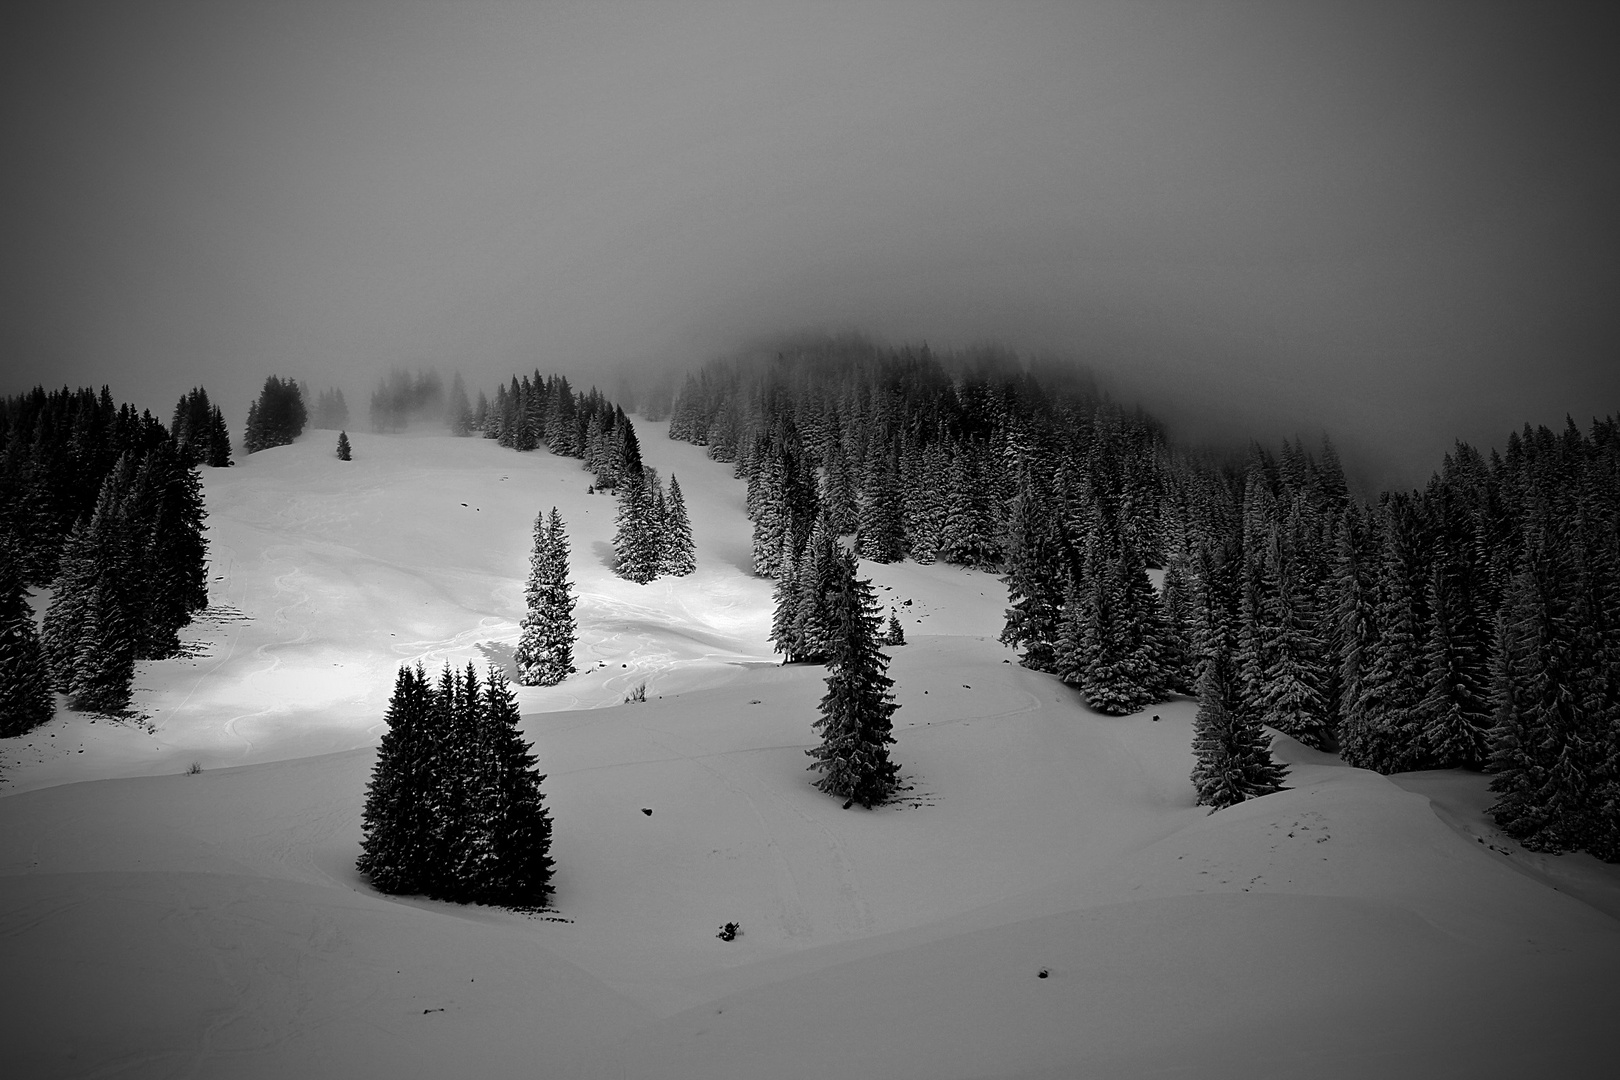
(1474, 623)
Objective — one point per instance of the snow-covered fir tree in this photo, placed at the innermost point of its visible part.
(25, 685)
(399, 815)
(545, 651)
(1232, 754)
(104, 663)
(856, 722)
(636, 541)
(679, 556)
(454, 810)
(344, 451)
(897, 633)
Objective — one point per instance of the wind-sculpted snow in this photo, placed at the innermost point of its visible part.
(214, 925)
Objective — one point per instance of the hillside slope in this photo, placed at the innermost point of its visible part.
(160, 924)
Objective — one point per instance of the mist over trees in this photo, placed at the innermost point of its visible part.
(331, 411)
(1468, 624)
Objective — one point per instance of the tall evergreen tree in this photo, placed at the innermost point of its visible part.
(454, 809)
(514, 819)
(545, 652)
(1232, 755)
(104, 665)
(399, 815)
(856, 721)
(344, 451)
(635, 539)
(25, 684)
(679, 556)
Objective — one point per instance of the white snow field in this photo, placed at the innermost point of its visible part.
(155, 923)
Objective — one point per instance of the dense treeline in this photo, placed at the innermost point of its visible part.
(1474, 623)
(104, 506)
(654, 535)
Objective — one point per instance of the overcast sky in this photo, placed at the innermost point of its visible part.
(1399, 223)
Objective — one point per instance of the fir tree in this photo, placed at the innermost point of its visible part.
(1387, 734)
(545, 652)
(897, 634)
(635, 540)
(514, 818)
(787, 599)
(679, 552)
(343, 451)
(1233, 755)
(1035, 577)
(277, 417)
(399, 815)
(1110, 639)
(25, 684)
(454, 809)
(856, 712)
(458, 411)
(104, 664)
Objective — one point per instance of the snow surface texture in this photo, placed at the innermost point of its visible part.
(165, 924)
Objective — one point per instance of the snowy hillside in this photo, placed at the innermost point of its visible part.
(1045, 901)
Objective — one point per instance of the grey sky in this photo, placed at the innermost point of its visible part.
(1398, 223)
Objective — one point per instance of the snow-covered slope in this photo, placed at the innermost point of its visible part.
(158, 924)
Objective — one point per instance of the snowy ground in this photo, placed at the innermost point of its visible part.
(154, 923)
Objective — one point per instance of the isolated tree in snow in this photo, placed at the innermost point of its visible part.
(545, 652)
(856, 713)
(1232, 754)
(454, 809)
(343, 451)
(25, 686)
(896, 635)
(680, 554)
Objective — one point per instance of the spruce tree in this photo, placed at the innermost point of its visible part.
(897, 634)
(545, 652)
(856, 722)
(25, 684)
(399, 814)
(1232, 754)
(104, 663)
(679, 553)
(787, 628)
(344, 453)
(635, 539)
(1387, 734)
(69, 608)
(819, 570)
(1035, 576)
(515, 820)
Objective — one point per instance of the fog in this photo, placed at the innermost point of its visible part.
(1396, 224)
